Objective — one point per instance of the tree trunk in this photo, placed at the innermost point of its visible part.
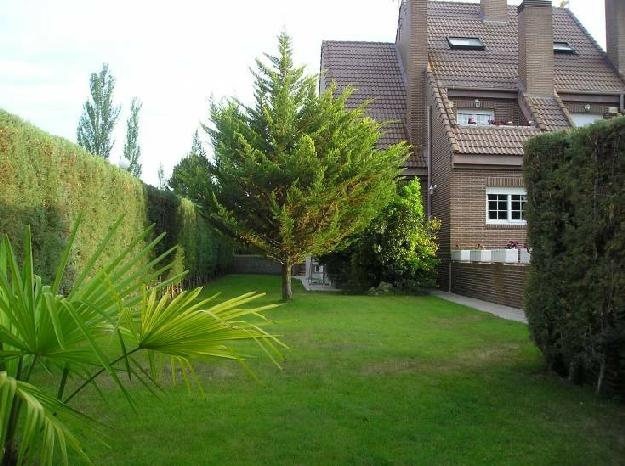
(287, 292)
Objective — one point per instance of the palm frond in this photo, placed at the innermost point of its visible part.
(40, 417)
(185, 327)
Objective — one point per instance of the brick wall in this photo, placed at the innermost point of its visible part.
(496, 283)
(441, 154)
(615, 29)
(468, 208)
(494, 10)
(536, 57)
(412, 45)
(580, 107)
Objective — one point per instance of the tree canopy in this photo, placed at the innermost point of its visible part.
(190, 177)
(96, 124)
(132, 149)
(296, 173)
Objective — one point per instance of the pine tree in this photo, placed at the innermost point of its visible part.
(297, 173)
(197, 147)
(190, 177)
(132, 149)
(95, 128)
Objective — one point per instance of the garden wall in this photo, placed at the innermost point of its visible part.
(254, 264)
(46, 182)
(496, 283)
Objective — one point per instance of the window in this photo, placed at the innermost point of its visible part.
(506, 206)
(585, 119)
(564, 48)
(465, 43)
(470, 116)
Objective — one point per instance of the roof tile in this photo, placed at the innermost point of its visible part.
(373, 70)
(496, 67)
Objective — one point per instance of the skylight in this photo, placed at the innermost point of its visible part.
(466, 43)
(563, 47)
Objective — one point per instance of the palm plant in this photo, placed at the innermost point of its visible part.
(100, 325)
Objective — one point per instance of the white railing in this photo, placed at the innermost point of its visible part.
(500, 256)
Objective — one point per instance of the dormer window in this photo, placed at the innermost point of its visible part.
(477, 117)
(466, 43)
(563, 48)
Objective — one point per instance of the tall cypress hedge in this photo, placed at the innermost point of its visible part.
(46, 182)
(575, 299)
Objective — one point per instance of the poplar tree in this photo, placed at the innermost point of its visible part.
(297, 173)
(96, 124)
(132, 149)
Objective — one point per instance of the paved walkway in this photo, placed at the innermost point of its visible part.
(505, 312)
(311, 287)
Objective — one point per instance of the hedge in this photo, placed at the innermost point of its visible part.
(46, 182)
(575, 299)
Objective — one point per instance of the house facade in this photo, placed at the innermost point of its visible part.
(467, 84)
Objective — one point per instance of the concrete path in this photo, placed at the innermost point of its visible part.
(505, 312)
(311, 287)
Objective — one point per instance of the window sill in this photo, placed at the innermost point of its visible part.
(506, 226)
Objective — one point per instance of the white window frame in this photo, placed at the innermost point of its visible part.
(509, 192)
(474, 112)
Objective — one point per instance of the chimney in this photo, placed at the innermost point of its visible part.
(495, 11)
(412, 43)
(615, 32)
(536, 56)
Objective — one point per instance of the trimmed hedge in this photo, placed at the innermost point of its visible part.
(46, 182)
(575, 299)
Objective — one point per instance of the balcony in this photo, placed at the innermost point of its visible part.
(492, 256)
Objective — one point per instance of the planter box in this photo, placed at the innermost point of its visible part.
(461, 255)
(525, 256)
(481, 255)
(505, 256)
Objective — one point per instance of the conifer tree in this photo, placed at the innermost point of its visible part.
(197, 148)
(132, 149)
(190, 177)
(96, 124)
(297, 173)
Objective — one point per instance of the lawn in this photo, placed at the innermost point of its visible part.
(369, 381)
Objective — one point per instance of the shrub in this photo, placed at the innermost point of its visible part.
(398, 248)
(47, 182)
(575, 299)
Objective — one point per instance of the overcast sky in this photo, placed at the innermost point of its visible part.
(173, 55)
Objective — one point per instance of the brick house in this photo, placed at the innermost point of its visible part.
(467, 84)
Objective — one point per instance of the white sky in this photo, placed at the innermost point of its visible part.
(173, 55)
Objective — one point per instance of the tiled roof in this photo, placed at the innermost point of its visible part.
(496, 67)
(549, 113)
(373, 70)
(493, 140)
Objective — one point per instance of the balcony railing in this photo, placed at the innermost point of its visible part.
(489, 256)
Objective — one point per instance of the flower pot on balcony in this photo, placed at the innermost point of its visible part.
(481, 255)
(505, 256)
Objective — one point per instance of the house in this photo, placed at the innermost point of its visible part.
(467, 84)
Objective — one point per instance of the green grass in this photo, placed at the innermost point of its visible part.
(369, 381)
